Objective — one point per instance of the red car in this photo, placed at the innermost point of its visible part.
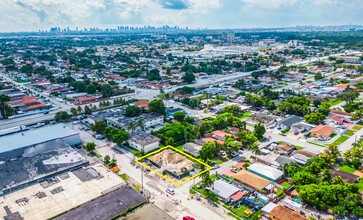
(188, 218)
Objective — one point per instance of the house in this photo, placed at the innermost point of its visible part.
(352, 59)
(266, 210)
(268, 159)
(148, 120)
(337, 120)
(282, 160)
(301, 156)
(322, 131)
(265, 171)
(282, 213)
(301, 127)
(285, 149)
(212, 140)
(268, 120)
(220, 135)
(142, 104)
(143, 141)
(252, 181)
(192, 149)
(348, 177)
(289, 121)
(227, 192)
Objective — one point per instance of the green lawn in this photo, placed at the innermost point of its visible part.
(349, 133)
(337, 102)
(286, 185)
(340, 140)
(357, 127)
(347, 169)
(180, 148)
(206, 193)
(320, 145)
(239, 211)
(245, 115)
(219, 160)
(124, 177)
(333, 135)
(299, 147)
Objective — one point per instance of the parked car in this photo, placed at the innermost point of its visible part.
(99, 136)
(170, 191)
(234, 154)
(234, 170)
(215, 166)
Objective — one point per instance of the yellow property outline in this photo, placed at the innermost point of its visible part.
(138, 160)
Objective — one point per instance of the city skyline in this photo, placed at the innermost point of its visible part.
(33, 15)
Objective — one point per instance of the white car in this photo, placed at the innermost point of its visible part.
(170, 191)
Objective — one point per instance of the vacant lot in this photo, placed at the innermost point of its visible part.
(172, 161)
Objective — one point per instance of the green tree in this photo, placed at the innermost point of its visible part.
(99, 127)
(157, 106)
(133, 111)
(206, 180)
(90, 147)
(259, 131)
(234, 109)
(231, 145)
(153, 74)
(87, 110)
(5, 109)
(349, 96)
(107, 159)
(106, 90)
(179, 116)
(61, 116)
(314, 118)
(188, 77)
(74, 112)
(208, 151)
(318, 76)
(120, 136)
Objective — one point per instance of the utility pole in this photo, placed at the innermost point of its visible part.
(142, 178)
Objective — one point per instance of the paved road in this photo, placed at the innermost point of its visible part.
(156, 186)
(302, 143)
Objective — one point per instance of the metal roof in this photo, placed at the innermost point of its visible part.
(35, 136)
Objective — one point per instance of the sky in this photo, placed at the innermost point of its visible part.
(32, 15)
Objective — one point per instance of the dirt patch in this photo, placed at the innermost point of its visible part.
(172, 161)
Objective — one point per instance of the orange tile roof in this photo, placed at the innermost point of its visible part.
(40, 105)
(238, 195)
(142, 103)
(282, 213)
(345, 86)
(221, 133)
(323, 130)
(251, 179)
(213, 140)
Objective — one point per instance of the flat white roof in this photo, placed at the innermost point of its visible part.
(265, 170)
(268, 208)
(35, 136)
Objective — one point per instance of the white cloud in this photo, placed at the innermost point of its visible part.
(270, 3)
(204, 5)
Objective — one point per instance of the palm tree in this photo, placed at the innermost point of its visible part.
(255, 150)
(131, 126)
(207, 181)
(140, 124)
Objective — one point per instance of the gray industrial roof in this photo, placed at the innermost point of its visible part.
(35, 136)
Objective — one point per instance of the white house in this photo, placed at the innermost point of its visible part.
(144, 142)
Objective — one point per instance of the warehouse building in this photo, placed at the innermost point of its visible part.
(12, 145)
